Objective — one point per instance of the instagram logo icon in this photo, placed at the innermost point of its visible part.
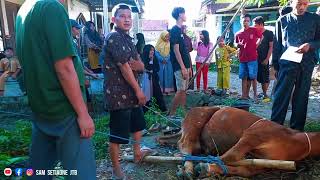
(29, 172)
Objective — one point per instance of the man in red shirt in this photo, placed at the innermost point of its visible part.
(247, 40)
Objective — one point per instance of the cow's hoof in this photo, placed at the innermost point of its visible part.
(182, 174)
(202, 170)
(188, 175)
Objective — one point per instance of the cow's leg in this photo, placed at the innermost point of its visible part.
(192, 126)
(246, 144)
(169, 139)
(243, 171)
(236, 153)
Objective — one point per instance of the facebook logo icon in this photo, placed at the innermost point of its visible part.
(18, 172)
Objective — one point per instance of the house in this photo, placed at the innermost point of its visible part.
(152, 29)
(217, 20)
(82, 10)
(207, 17)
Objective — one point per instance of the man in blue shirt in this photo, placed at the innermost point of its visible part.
(299, 29)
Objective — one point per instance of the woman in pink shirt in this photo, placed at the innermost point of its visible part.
(203, 49)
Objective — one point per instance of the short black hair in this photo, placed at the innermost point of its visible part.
(259, 20)
(177, 11)
(111, 26)
(245, 15)
(285, 10)
(118, 7)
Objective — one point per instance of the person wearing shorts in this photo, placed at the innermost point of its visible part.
(247, 40)
(180, 60)
(264, 53)
(181, 83)
(124, 97)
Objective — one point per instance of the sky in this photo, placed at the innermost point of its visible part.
(161, 10)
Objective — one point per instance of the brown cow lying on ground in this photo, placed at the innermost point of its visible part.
(235, 133)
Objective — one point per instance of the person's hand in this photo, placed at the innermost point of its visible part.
(184, 73)
(304, 48)
(86, 125)
(136, 65)
(190, 74)
(240, 44)
(142, 99)
(90, 71)
(95, 76)
(265, 62)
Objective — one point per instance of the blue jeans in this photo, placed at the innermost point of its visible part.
(248, 70)
(53, 141)
(292, 75)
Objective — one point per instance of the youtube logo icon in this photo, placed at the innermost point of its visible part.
(7, 172)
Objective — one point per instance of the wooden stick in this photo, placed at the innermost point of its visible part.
(263, 163)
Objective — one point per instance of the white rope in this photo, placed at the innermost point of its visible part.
(257, 122)
(309, 143)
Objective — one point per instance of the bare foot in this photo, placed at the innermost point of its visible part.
(214, 169)
(117, 173)
(138, 156)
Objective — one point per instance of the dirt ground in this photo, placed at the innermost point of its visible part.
(308, 169)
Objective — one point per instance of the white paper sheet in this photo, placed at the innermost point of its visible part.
(291, 55)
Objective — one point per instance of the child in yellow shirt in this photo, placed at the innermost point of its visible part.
(223, 61)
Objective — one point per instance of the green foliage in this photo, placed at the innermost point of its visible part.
(100, 138)
(14, 144)
(229, 101)
(312, 126)
(252, 110)
(235, 60)
(6, 160)
(261, 2)
(151, 117)
(191, 34)
(181, 112)
(212, 67)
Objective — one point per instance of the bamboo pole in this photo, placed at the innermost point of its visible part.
(263, 163)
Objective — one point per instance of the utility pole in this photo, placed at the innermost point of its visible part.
(105, 17)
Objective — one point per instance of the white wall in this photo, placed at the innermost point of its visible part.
(75, 8)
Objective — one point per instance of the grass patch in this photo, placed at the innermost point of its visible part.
(100, 138)
(14, 144)
(312, 126)
(229, 101)
(151, 117)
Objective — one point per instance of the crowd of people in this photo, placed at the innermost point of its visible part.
(56, 86)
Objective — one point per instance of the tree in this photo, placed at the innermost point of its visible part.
(261, 2)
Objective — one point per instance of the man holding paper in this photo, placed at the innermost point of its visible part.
(297, 37)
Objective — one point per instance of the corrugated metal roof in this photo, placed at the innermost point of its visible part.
(97, 5)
